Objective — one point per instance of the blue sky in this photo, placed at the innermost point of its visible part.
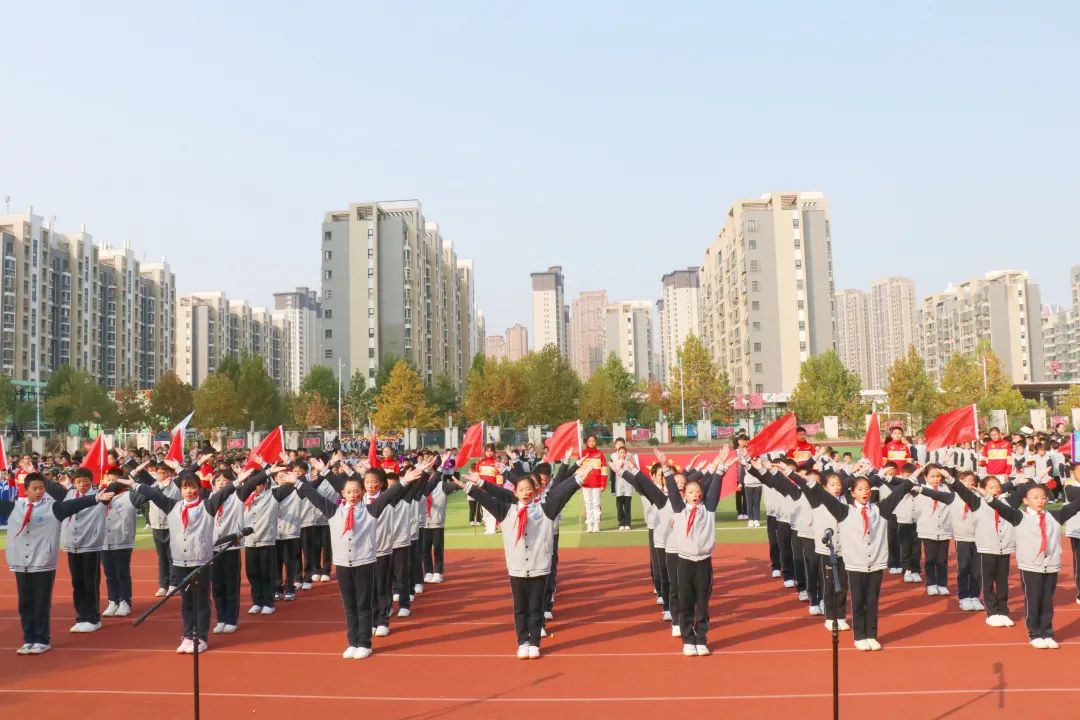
(607, 137)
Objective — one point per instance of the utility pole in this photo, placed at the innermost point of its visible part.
(339, 361)
(682, 396)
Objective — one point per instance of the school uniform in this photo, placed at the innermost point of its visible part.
(159, 527)
(772, 526)
(933, 527)
(1072, 531)
(260, 513)
(908, 536)
(752, 495)
(662, 513)
(381, 588)
(433, 525)
(995, 542)
(416, 569)
(82, 536)
(779, 508)
(33, 544)
(694, 535)
(624, 494)
(651, 514)
(404, 514)
(225, 573)
(835, 602)
(962, 520)
(315, 536)
(120, 515)
(287, 546)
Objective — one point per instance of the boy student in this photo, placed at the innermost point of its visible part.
(489, 470)
(996, 457)
(623, 491)
(162, 479)
(120, 514)
(592, 460)
(81, 537)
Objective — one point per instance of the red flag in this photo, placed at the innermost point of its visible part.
(1067, 448)
(778, 435)
(3, 456)
(373, 450)
(871, 446)
(176, 441)
(471, 447)
(952, 428)
(96, 459)
(730, 483)
(566, 437)
(269, 449)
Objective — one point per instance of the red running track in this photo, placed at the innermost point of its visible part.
(610, 655)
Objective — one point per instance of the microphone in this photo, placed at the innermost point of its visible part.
(234, 537)
(827, 539)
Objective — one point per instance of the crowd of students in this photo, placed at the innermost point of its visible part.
(377, 524)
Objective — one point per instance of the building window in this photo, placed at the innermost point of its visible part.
(802, 325)
(757, 367)
(371, 232)
(371, 332)
(802, 346)
(752, 244)
(798, 243)
(802, 305)
(371, 312)
(327, 255)
(795, 222)
(371, 353)
(328, 354)
(757, 347)
(751, 225)
(328, 274)
(329, 335)
(371, 272)
(326, 236)
(755, 305)
(759, 388)
(756, 327)
(755, 285)
(798, 264)
(328, 314)
(755, 266)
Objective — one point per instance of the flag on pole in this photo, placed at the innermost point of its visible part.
(373, 449)
(3, 456)
(952, 428)
(176, 440)
(730, 482)
(778, 435)
(269, 449)
(566, 437)
(472, 446)
(97, 459)
(871, 446)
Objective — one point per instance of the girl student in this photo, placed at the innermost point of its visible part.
(528, 528)
(433, 523)
(404, 514)
(934, 527)
(353, 538)
(286, 574)
(161, 476)
(225, 573)
(120, 514)
(1071, 489)
(81, 537)
(1038, 555)
(261, 508)
(33, 542)
(835, 603)
(862, 527)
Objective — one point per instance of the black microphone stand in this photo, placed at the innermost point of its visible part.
(192, 580)
(833, 623)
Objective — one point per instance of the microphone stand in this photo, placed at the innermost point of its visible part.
(833, 623)
(191, 580)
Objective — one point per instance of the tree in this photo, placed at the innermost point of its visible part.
(1070, 400)
(360, 401)
(494, 391)
(316, 411)
(703, 384)
(217, 404)
(826, 387)
(322, 380)
(443, 395)
(132, 409)
(911, 390)
(170, 402)
(7, 397)
(653, 404)
(550, 388)
(401, 402)
(78, 400)
(998, 390)
(386, 366)
(623, 386)
(257, 394)
(599, 400)
(961, 382)
(230, 367)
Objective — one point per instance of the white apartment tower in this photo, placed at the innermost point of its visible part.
(549, 310)
(587, 320)
(517, 342)
(628, 334)
(300, 313)
(853, 333)
(891, 304)
(679, 313)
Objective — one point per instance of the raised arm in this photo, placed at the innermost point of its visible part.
(712, 494)
(833, 504)
(888, 506)
(154, 495)
(282, 491)
(674, 497)
(57, 491)
(646, 488)
(67, 508)
(557, 498)
(386, 499)
(218, 497)
(939, 495)
(1063, 514)
(498, 508)
(320, 502)
(1012, 515)
(245, 490)
(970, 497)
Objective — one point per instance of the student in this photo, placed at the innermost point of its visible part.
(528, 528)
(624, 491)
(1038, 555)
(907, 532)
(375, 483)
(353, 529)
(751, 488)
(33, 541)
(934, 529)
(652, 490)
(261, 510)
(314, 531)
(834, 602)
(225, 573)
(120, 514)
(1071, 488)
(399, 556)
(287, 545)
(592, 460)
(794, 574)
(81, 537)
(651, 514)
(433, 526)
(862, 527)
(963, 520)
(162, 479)
(800, 514)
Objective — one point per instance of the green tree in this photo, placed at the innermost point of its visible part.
(132, 410)
(259, 399)
(1070, 400)
(315, 411)
(623, 386)
(653, 403)
(170, 402)
(322, 380)
(961, 382)
(78, 400)
(701, 381)
(600, 401)
(7, 397)
(359, 404)
(402, 404)
(217, 404)
(443, 395)
(826, 387)
(999, 392)
(230, 367)
(386, 365)
(550, 388)
(911, 390)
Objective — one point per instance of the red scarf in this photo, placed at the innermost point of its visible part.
(250, 499)
(429, 500)
(690, 520)
(997, 516)
(349, 520)
(865, 519)
(1042, 532)
(188, 506)
(523, 518)
(26, 517)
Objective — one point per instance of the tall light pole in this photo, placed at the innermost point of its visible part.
(682, 396)
(339, 361)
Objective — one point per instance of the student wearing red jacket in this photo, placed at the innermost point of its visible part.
(897, 450)
(997, 455)
(804, 451)
(595, 481)
(490, 471)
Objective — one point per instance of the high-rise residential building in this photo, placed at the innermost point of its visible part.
(472, 320)
(587, 332)
(550, 312)
(679, 312)
(69, 301)
(853, 333)
(495, 347)
(1061, 335)
(1002, 306)
(392, 287)
(517, 342)
(628, 334)
(891, 304)
(210, 328)
(300, 312)
(767, 290)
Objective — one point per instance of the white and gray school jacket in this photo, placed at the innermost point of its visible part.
(357, 546)
(419, 507)
(436, 516)
(993, 538)
(288, 523)
(157, 519)
(662, 533)
(403, 514)
(622, 488)
(823, 520)
(83, 532)
(384, 531)
(229, 519)
(772, 500)
(650, 512)
(1029, 540)
(932, 518)
(694, 542)
(864, 551)
(962, 520)
(193, 545)
(905, 511)
(785, 506)
(262, 517)
(36, 547)
(803, 518)
(748, 480)
(120, 515)
(310, 516)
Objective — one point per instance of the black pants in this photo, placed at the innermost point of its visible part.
(662, 575)
(85, 569)
(831, 597)
(654, 572)
(937, 562)
(753, 502)
(259, 567)
(813, 570)
(865, 592)
(286, 565)
(117, 567)
(35, 603)
(476, 513)
(695, 588)
(195, 625)
(400, 575)
(553, 576)
(225, 581)
(995, 583)
(433, 549)
(381, 593)
(674, 602)
(909, 547)
(1075, 543)
(1039, 600)
(356, 586)
(622, 510)
(968, 575)
(740, 501)
(771, 527)
(164, 557)
(311, 545)
(327, 551)
(528, 608)
(416, 569)
(798, 563)
(893, 538)
(787, 559)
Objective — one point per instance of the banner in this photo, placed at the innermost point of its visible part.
(235, 443)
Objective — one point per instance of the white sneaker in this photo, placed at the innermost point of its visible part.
(702, 649)
(160, 592)
(776, 573)
(1006, 621)
(1051, 643)
(218, 628)
(404, 612)
(124, 609)
(268, 610)
(994, 621)
(829, 625)
(436, 578)
(895, 571)
(534, 652)
(297, 585)
(789, 583)
(843, 624)
(396, 598)
(975, 604)
(916, 577)
(964, 604)
(110, 611)
(228, 629)
(361, 653)
(548, 615)
(907, 576)
(675, 631)
(523, 652)
(490, 532)
(931, 590)
(428, 577)
(255, 610)
(862, 645)
(171, 588)
(349, 653)
(659, 600)
(39, 648)
(382, 631)
(417, 589)
(203, 646)
(804, 596)
(666, 616)
(24, 649)
(305, 586)
(78, 627)
(187, 647)
(941, 590)
(91, 627)
(1038, 643)
(815, 610)
(689, 650)
(749, 523)
(543, 632)
(873, 643)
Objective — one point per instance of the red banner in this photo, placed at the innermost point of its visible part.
(234, 444)
(312, 442)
